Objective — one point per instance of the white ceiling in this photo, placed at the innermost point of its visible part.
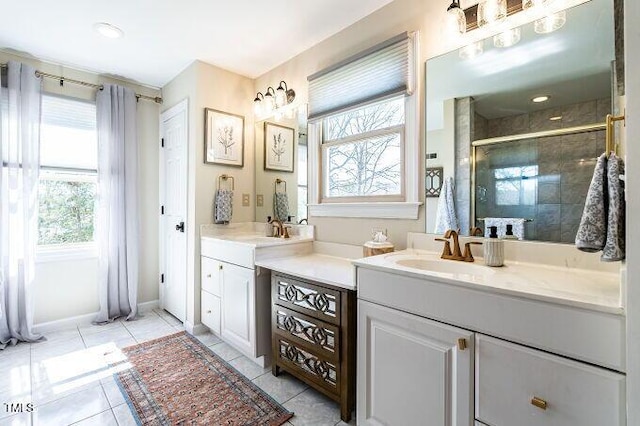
(162, 37)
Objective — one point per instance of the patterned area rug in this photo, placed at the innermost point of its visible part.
(176, 380)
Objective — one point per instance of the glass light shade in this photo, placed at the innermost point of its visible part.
(528, 4)
(550, 23)
(257, 107)
(471, 51)
(491, 12)
(507, 38)
(269, 103)
(456, 21)
(281, 97)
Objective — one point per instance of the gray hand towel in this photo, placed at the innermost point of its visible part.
(592, 232)
(281, 206)
(223, 206)
(614, 248)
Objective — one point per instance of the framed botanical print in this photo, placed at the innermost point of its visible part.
(278, 147)
(223, 138)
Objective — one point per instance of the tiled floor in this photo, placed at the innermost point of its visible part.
(68, 379)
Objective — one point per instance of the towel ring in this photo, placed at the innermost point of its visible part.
(278, 182)
(225, 178)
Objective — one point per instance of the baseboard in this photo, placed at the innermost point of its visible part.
(196, 329)
(86, 319)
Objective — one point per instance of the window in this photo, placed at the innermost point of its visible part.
(302, 182)
(516, 185)
(363, 134)
(68, 171)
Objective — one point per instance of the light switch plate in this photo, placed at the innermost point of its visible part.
(259, 200)
(245, 200)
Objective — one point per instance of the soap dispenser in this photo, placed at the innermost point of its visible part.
(509, 234)
(493, 248)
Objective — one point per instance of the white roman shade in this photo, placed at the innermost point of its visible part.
(383, 70)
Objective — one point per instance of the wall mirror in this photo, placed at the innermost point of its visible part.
(519, 128)
(277, 142)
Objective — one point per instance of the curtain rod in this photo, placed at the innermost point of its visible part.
(62, 79)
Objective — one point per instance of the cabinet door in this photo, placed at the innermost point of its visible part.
(412, 371)
(238, 313)
(211, 311)
(210, 275)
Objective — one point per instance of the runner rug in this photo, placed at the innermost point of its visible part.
(176, 380)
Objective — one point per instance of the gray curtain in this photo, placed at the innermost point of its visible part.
(20, 152)
(117, 221)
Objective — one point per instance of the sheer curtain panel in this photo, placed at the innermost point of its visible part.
(117, 225)
(20, 152)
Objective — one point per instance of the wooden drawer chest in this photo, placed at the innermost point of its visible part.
(314, 337)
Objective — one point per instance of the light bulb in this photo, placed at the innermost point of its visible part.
(491, 12)
(507, 38)
(281, 97)
(471, 51)
(550, 23)
(456, 21)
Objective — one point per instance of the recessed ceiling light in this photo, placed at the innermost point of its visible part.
(108, 30)
(539, 99)
(556, 118)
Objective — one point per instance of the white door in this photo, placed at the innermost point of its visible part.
(238, 313)
(173, 200)
(412, 371)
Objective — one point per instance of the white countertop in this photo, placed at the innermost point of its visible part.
(587, 289)
(252, 234)
(322, 268)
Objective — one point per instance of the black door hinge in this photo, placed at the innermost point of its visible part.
(162, 142)
(161, 209)
(162, 278)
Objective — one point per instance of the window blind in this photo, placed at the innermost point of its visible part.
(383, 70)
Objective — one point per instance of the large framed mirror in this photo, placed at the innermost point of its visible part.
(518, 129)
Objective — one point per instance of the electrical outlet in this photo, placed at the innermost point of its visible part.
(259, 200)
(245, 200)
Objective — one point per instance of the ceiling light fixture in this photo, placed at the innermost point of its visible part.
(550, 23)
(456, 21)
(507, 38)
(540, 99)
(276, 102)
(108, 30)
(491, 12)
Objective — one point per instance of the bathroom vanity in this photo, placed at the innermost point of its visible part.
(458, 343)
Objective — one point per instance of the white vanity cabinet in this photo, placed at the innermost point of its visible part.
(238, 307)
(412, 370)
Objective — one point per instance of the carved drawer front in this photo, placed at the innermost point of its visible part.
(318, 369)
(309, 332)
(307, 298)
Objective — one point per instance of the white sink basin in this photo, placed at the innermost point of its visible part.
(445, 266)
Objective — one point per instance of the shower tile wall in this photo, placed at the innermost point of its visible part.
(565, 166)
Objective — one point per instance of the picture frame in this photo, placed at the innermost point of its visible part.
(223, 138)
(279, 146)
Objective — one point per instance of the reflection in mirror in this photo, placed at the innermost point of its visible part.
(290, 186)
(519, 128)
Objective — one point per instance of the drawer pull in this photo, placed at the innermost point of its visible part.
(220, 267)
(539, 402)
(208, 275)
(462, 344)
(209, 311)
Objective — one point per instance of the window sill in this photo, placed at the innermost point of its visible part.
(378, 210)
(66, 252)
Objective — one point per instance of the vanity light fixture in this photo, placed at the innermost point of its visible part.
(269, 100)
(535, 4)
(491, 12)
(540, 99)
(507, 38)
(472, 50)
(550, 23)
(108, 30)
(276, 101)
(284, 95)
(456, 20)
(257, 103)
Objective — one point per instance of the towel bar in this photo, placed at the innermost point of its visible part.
(611, 145)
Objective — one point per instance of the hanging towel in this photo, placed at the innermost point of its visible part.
(592, 232)
(223, 206)
(517, 226)
(281, 206)
(614, 248)
(446, 214)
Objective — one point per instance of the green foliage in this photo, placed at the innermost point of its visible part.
(66, 212)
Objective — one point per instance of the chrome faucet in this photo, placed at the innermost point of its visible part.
(456, 254)
(277, 227)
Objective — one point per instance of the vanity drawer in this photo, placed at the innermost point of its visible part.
(313, 367)
(318, 302)
(211, 311)
(210, 275)
(516, 385)
(311, 333)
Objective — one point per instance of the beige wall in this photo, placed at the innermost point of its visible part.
(398, 16)
(206, 86)
(69, 288)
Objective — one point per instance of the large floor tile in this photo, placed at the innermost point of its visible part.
(15, 349)
(208, 339)
(248, 368)
(225, 351)
(106, 418)
(281, 388)
(15, 380)
(124, 416)
(312, 408)
(166, 316)
(50, 350)
(22, 419)
(113, 392)
(109, 336)
(62, 335)
(72, 408)
(153, 334)
(88, 329)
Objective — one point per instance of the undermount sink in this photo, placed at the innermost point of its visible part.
(445, 266)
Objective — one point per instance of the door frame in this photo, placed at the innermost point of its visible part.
(182, 106)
